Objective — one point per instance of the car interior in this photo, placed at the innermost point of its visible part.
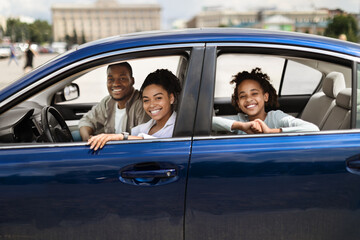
(52, 114)
(315, 90)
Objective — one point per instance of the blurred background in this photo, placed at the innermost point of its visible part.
(53, 26)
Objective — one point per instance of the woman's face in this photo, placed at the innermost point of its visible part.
(251, 99)
(157, 103)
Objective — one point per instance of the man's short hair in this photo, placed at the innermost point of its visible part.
(122, 64)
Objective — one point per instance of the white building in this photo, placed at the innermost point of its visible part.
(102, 19)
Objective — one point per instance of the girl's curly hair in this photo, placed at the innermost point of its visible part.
(263, 79)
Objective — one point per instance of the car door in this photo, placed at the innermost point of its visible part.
(280, 186)
(128, 190)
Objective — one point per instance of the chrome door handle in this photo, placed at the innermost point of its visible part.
(161, 173)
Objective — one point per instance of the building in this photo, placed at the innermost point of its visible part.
(103, 18)
(301, 21)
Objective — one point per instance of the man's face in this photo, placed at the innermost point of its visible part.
(119, 83)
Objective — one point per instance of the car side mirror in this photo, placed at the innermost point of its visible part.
(70, 92)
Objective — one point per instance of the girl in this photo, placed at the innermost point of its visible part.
(253, 98)
(159, 93)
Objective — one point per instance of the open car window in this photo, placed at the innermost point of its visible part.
(85, 86)
(299, 85)
(93, 84)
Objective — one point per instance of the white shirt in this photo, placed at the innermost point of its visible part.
(120, 120)
(142, 130)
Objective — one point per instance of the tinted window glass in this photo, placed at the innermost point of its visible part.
(300, 79)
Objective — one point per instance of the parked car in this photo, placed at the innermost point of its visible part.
(222, 186)
(5, 51)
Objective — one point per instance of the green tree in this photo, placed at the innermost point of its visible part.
(343, 24)
(38, 31)
(16, 30)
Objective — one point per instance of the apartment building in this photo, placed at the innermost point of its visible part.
(103, 18)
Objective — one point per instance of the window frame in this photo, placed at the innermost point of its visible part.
(271, 49)
(190, 87)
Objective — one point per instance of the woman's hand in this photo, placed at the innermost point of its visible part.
(100, 140)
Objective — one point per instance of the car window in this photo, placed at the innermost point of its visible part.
(88, 83)
(229, 65)
(93, 84)
(296, 80)
(309, 78)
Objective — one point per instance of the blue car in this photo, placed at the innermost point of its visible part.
(201, 183)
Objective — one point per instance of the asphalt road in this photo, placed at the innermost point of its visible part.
(11, 72)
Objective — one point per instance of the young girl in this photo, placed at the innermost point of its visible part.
(254, 98)
(159, 93)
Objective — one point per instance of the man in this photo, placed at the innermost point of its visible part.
(12, 55)
(118, 112)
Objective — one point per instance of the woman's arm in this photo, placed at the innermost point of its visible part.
(100, 140)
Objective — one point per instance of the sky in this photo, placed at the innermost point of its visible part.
(178, 9)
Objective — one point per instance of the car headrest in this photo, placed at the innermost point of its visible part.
(343, 99)
(334, 82)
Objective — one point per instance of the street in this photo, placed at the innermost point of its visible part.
(11, 72)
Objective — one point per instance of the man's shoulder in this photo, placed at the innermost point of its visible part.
(135, 100)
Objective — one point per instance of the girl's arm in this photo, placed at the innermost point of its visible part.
(288, 123)
(231, 123)
(248, 127)
(265, 128)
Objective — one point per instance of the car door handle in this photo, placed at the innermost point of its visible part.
(161, 173)
(353, 164)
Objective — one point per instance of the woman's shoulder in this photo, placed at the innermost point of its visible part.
(141, 128)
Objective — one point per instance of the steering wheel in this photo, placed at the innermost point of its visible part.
(54, 126)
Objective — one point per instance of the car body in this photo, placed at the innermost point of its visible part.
(5, 51)
(199, 184)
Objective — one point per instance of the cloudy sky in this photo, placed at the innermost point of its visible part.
(178, 9)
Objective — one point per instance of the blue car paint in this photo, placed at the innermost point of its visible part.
(185, 36)
(82, 195)
(281, 187)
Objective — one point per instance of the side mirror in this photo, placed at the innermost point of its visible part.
(70, 92)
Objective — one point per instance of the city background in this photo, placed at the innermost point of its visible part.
(54, 26)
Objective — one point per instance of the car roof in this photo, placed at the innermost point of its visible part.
(185, 36)
(217, 35)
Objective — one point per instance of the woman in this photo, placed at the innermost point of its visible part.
(159, 93)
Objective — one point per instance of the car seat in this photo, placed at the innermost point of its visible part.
(320, 104)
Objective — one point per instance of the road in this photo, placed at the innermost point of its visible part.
(11, 72)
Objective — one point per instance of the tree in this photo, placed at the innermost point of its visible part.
(343, 24)
(38, 31)
(16, 30)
